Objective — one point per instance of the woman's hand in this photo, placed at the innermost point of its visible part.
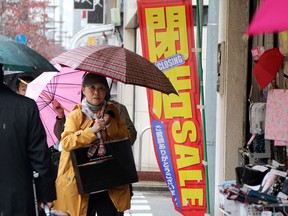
(98, 125)
(107, 119)
(58, 109)
(101, 123)
(48, 204)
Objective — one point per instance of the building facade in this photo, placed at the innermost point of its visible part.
(226, 86)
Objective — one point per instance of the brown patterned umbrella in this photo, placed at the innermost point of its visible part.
(117, 63)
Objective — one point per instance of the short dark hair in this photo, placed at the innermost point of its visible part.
(25, 78)
(91, 79)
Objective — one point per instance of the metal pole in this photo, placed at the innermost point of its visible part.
(35, 175)
(199, 9)
(211, 96)
(140, 147)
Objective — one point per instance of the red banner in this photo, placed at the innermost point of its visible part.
(167, 35)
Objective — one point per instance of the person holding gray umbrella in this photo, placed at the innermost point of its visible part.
(23, 150)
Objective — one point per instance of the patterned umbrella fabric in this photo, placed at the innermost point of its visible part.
(64, 86)
(17, 57)
(117, 63)
(270, 17)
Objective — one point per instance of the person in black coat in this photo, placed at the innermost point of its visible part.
(23, 149)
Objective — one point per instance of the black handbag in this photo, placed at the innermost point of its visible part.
(249, 176)
(99, 173)
(55, 157)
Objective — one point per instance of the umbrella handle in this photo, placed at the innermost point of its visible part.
(49, 98)
(65, 109)
(21, 80)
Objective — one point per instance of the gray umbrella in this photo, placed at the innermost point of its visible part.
(17, 57)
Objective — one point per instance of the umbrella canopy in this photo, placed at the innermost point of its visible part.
(266, 68)
(17, 57)
(117, 63)
(64, 86)
(271, 16)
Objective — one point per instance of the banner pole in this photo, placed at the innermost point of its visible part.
(200, 72)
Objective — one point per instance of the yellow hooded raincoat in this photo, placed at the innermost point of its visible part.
(77, 134)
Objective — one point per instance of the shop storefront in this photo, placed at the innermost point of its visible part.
(251, 141)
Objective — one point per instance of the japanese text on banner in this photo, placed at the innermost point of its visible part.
(167, 40)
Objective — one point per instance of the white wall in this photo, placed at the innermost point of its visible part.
(231, 105)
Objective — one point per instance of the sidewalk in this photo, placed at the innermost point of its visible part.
(150, 181)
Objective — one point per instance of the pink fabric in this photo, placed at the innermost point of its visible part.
(271, 16)
(64, 86)
(257, 52)
(280, 143)
(268, 182)
(251, 139)
(276, 122)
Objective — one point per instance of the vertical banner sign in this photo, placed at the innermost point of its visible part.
(167, 35)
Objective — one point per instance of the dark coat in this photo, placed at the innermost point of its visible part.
(23, 148)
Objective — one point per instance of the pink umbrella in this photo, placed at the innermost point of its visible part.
(64, 86)
(271, 16)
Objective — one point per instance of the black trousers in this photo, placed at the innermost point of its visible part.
(101, 204)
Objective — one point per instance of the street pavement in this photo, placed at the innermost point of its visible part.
(150, 186)
(150, 181)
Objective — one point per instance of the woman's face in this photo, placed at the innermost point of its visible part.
(95, 94)
(22, 88)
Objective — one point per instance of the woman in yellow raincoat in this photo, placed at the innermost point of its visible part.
(81, 128)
